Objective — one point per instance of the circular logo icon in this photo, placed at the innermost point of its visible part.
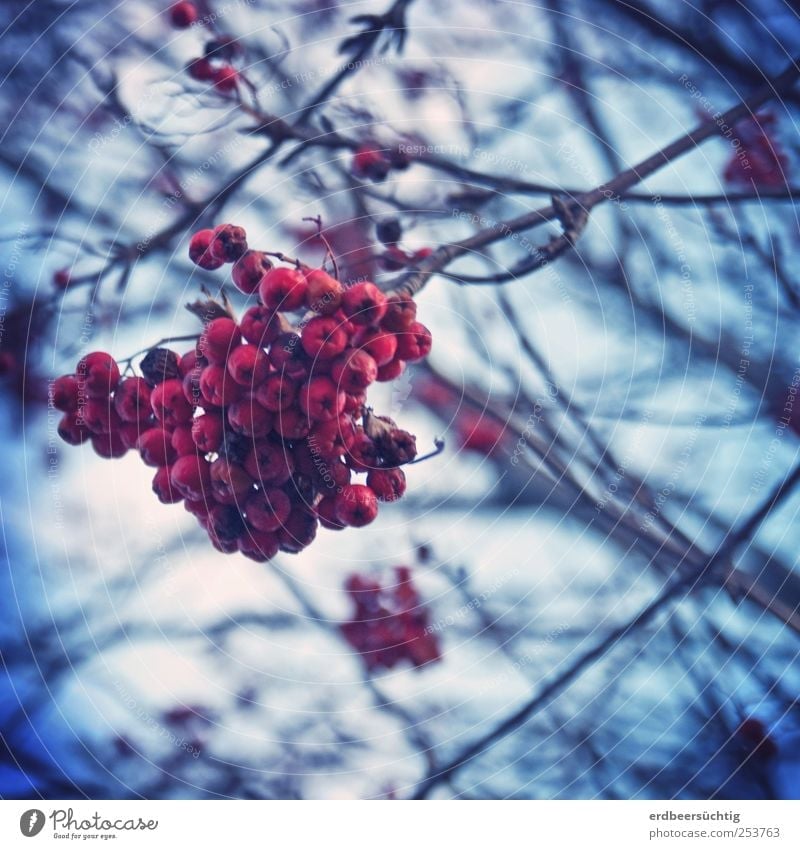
(31, 822)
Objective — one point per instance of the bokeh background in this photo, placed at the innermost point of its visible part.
(622, 420)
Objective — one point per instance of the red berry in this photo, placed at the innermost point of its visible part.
(218, 340)
(291, 424)
(330, 440)
(401, 313)
(324, 338)
(99, 415)
(288, 357)
(62, 278)
(182, 440)
(362, 453)
(97, 374)
(268, 510)
(229, 242)
(169, 403)
(183, 15)
(207, 432)
(249, 418)
(155, 446)
(260, 546)
(414, 343)
(129, 433)
(326, 513)
(261, 326)
(191, 475)
(73, 430)
(283, 289)
(200, 69)
(229, 480)
(364, 303)
(324, 293)
(354, 403)
(199, 252)
(321, 400)
(391, 370)
(226, 79)
(387, 484)
(64, 393)
(187, 362)
(298, 530)
(381, 345)
(163, 488)
(354, 371)
(218, 388)
(109, 445)
(269, 462)
(356, 506)
(371, 162)
(225, 525)
(277, 392)
(248, 270)
(132, 399)
(248, 366)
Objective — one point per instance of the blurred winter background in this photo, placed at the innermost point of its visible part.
(611, 422)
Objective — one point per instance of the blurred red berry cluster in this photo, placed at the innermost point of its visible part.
(759, 159)
(390, 622)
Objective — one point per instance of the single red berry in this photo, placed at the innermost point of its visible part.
(155, 446)
(225, 524)
(391, 371)
(354, 403)
(364, 303)
(62, 278)
(207, 432)
(422, 253)
(97, 374)
(324, 338)
(163, 488)
(218, 388)
(381, 345)
(277, 392)
(226, 79)
(248, 270)
(229, 242)
(298, 531)
(229, 480)
(249, 418)
(198, 508)
(132, 399)
(248, 365)
(201, 69)
(268, 510)
(73, 430)
(321, 400)
(397, 447)
(199, 252)
(260, 546)
(288, 356)
(283, 289)
(370, 162)
(387, 484)
(354, 371)
(187, 362)
(329, 440)
(169, 403)
(191, 475)
(356, 506)
(183, 14)
(362, 453)
(99, 415)
(326, 513)
(401, 313)
(261, 326)
(269, 463)
(182, 440)
(324, 293)
(218, 339)
(291, 424)
(414, 343)
(109, 445)
(64, 393)
(129, 432)
(394, 258)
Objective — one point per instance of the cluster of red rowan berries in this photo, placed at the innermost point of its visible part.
(390, 624)
(214, 66)
(261, 427)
